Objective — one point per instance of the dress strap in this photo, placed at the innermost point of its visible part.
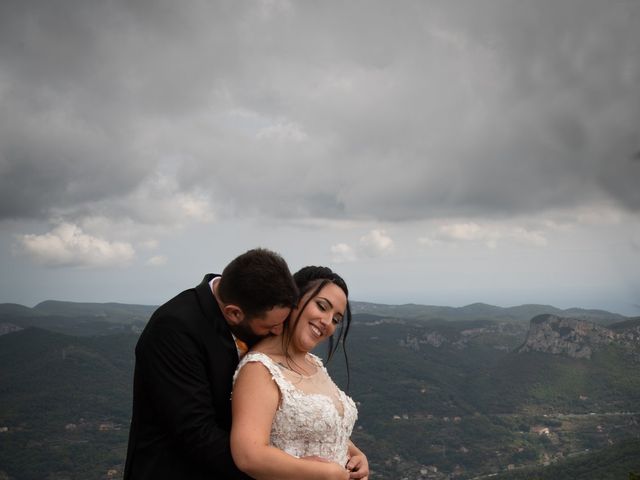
(274, 369)
(316, 360)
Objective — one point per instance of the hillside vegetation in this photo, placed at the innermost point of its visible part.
(439, 397)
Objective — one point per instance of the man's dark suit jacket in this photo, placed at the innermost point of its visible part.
(185, 360)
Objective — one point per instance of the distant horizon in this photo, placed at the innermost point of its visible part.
(155, 305)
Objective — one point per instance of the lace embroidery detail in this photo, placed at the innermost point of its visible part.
(306, 423)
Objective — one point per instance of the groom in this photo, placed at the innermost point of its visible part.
(185, 360)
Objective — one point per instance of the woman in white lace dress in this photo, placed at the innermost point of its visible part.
(290, 421)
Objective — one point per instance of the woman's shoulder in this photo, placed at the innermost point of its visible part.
(257, 356)
(261, 368)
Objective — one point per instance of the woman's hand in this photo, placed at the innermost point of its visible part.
(358, 466)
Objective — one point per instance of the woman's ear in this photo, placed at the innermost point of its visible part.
(233, 314)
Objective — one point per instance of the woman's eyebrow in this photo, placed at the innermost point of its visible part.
(326, 300)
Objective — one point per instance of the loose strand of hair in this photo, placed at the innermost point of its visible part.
(286, 342)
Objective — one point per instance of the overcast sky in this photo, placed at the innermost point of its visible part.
(437, 152)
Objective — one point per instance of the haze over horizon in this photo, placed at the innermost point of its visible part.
(367, 306)
(437, 153)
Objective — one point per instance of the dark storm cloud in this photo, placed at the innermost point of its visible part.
(385, 110)
(64, 136)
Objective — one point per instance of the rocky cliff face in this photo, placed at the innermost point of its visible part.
(578, 338)
(8, 328)
(501, 336)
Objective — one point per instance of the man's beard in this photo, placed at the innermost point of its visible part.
(244, 332)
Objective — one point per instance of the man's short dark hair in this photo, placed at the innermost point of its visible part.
(258, 281)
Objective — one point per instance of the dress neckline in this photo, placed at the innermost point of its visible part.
(312, 360)
(294, 372)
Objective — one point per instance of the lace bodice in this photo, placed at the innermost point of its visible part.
(314, 416)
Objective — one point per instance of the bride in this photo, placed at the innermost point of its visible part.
(287, 411)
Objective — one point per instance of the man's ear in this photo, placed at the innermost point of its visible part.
(233, 314)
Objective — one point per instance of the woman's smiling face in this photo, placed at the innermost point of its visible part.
(320, 317)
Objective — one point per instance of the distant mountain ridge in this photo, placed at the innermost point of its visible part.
(76, 318)
(85, 318)
(476, 311)
(106, 310)
(15, 309)
(58, 307)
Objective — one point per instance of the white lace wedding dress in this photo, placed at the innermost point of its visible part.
(315, 417)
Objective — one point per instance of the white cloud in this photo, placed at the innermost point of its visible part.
(342, 253)
(150, 244)
(68, 246)
(599, 216)
(527, 237)
(376, 243)
(490, 235)
(196, 208)
(282, 132)
(461, 231)
(158, 201)
(157, 261)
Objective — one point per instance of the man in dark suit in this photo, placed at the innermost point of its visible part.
(185, 360)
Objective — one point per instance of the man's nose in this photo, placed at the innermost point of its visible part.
(277, 330)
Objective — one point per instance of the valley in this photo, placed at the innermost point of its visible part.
(457, 395)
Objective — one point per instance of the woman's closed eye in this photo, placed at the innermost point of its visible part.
(324, 307)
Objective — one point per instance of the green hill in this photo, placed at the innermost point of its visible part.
(620, 461)
(114, 312)
(437, 398)
(457, 397)
(78, 318)
(65, 403)
(10, 310)
(478, 311)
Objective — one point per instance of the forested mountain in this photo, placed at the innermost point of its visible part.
(77, 318)
(441, 395)
(106, 318)
(482, 311)
(65, 404)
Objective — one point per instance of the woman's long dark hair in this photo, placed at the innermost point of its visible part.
(312, 279)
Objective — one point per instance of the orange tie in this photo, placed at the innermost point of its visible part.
(242, 347)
